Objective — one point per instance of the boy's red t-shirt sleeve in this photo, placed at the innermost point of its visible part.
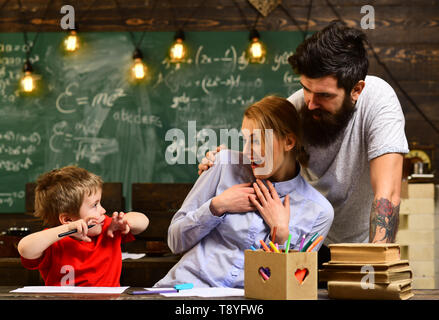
(31, 264)
(128, 237)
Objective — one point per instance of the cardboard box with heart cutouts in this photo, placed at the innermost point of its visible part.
(280, 276)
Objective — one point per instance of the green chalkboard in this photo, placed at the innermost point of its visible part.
(88, 113)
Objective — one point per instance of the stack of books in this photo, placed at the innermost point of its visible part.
(367, 271)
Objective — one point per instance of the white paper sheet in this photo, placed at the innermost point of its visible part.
(70, 289)
(206, 292)
(126, 255)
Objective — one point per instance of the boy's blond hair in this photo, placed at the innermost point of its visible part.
(62, 191)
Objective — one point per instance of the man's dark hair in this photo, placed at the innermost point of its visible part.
(336, 50)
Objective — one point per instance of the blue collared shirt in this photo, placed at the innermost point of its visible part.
(214, 245)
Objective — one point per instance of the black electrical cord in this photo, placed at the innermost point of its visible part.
(249, 27)
(308, 17)
(26, 40)
(133, 40)
(293, 20)
(174, 16)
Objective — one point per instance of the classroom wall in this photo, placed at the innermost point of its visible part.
(406, 35)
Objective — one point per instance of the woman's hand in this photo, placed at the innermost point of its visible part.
(234, 199)
(273, 211)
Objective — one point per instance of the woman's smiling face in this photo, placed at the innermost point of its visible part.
(263, 149)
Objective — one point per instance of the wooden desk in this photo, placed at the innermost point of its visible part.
(5, 294)
(144, 272)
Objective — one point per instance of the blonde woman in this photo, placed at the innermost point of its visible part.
(239, 202)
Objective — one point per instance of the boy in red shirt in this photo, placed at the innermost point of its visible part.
(67, 199)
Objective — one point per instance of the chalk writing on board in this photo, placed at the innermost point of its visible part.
(137, 118)
(15, 145)
(184, 101)
(66, 105)
(8, 47)
(290, 79)
(11, 136)
(8, 198)
(229, 59)
(95, 149)
(15, 166)
(281, 59)
(17, 150)
(91, 148)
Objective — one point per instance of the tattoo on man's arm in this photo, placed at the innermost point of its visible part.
(384, 220)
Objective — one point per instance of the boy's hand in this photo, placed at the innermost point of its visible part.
(82, 226)
(119, 222)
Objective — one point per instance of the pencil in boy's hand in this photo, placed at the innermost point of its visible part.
(72, 231)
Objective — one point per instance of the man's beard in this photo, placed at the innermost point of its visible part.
(323, 131)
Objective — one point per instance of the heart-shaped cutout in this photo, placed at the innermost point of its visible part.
(301, 274)
(264, 273)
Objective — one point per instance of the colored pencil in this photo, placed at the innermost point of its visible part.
(313, 238)
(273, 236)
(273, 247)
(264, 246)
(302, 242)
(314, 244)
(287, 248)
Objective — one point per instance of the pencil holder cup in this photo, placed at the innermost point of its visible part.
(280, 276)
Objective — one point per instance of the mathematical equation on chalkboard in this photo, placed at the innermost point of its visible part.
(81, 137)
(91, 115)
(16, 145)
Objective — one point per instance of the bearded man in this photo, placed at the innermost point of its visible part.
(354, 134)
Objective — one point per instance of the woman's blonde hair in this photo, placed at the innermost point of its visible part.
(281, 116)
(62, 191)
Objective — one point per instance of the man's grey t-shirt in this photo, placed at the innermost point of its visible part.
(341, 170)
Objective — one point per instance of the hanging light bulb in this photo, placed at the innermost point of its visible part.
(27, 82)
(71, 42)
(177, 53)
(139, 68)
(256, 49)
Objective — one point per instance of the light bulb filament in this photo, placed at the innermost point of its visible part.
(178, 51)
(256, 49)
(71, 43)
(139, 69)
(27, 82)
